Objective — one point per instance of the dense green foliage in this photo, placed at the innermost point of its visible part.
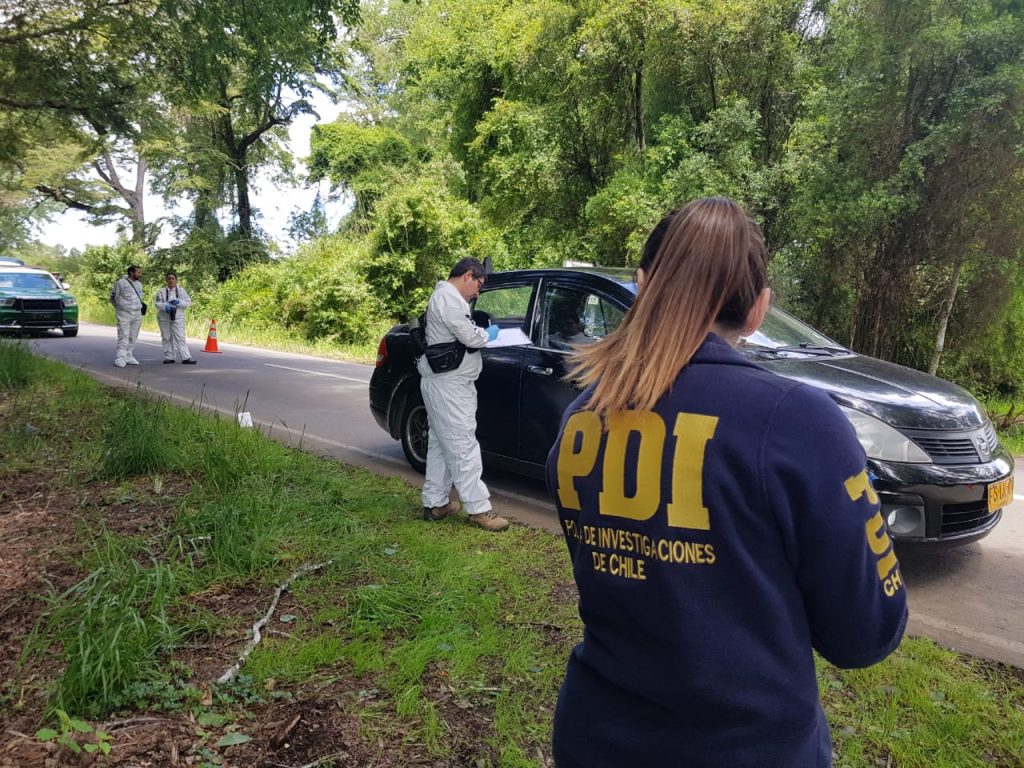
(877, 143)
(321, 293)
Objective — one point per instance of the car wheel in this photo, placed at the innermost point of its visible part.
(414, 433)
(69, 332)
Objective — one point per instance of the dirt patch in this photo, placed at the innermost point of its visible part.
(564, 593)
(36, 537)
(300, 733)
(315, 722)
(237, 610)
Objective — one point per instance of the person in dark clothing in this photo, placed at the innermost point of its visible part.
(721, 525)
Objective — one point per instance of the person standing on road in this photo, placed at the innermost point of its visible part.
(720, 521)
(453, 453)
(172, 300)
(126, 297)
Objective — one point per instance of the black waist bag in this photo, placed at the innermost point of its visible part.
(445, 357)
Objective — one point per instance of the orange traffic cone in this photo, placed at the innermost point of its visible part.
(211, 338)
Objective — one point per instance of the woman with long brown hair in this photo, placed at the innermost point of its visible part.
(720, 521)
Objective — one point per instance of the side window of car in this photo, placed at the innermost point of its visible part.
(507, 306)
(572, 317)
(601, 317)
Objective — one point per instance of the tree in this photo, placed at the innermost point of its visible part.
(907, 172)
(362, 160)
(241, 72)
(110, 73)
(85, 69)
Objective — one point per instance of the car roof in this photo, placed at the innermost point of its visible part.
(620, 275)
(11, 269)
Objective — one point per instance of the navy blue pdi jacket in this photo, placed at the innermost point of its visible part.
(715, 540)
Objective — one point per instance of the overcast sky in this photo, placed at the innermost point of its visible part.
(72, 230)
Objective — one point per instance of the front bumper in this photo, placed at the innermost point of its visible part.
(37, 320)
(935, 503)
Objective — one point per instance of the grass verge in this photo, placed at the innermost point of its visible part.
(197, 326)
(163, 533)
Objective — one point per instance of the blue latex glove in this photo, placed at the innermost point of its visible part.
(492, 332)
(175, 302)
(165, 307)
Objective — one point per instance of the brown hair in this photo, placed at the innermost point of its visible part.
(703, 264)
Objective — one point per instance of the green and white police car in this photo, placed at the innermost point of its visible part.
(32, 302)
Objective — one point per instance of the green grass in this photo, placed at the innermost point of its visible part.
(926, 707)
(18, 366)
(197, 326)
(418, 623)
(113, 627)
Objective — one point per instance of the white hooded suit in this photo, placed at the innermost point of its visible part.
(453, 453)
(172, 333)
(126, 296)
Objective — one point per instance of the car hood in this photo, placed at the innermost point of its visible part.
(28, 293)
(899, 396)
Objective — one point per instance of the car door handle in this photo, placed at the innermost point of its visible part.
(539, 369)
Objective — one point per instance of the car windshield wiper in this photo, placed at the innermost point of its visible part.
(805, 348)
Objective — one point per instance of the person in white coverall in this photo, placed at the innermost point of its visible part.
(126, 296)
(171, 302)
(453, 453)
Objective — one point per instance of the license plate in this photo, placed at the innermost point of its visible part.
(1000, 494)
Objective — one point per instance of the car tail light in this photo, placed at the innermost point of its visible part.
(382, 351)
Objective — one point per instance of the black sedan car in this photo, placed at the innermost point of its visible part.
(933, 454)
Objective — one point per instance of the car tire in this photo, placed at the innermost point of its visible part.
(69, 332)
(414, 432)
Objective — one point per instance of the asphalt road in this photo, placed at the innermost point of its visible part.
(968, 598)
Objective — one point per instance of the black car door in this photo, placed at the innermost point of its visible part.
(508, 304)
(568, 314)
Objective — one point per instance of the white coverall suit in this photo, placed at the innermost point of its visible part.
(126, 296)
(453, 453)
(172, 333)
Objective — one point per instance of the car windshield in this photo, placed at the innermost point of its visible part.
(782, 334)
(27, 281)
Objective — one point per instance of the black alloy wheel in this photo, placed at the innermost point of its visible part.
(415, 433)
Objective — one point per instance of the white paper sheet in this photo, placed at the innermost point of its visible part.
(510, 337)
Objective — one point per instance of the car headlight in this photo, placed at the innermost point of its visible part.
(882, 442)
(6, 302)
(70, 303)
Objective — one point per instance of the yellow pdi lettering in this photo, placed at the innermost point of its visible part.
(859, 485)
(573, 463)
(686, 510)
(613, 500)
(877, 534)
(880, 544)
